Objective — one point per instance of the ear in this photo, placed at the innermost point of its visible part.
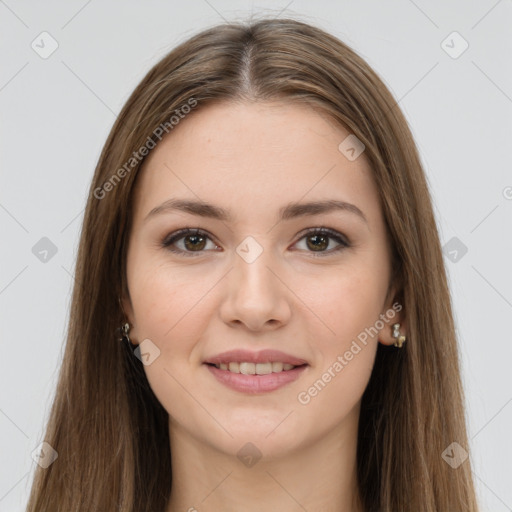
(128, 316)
(393, 314)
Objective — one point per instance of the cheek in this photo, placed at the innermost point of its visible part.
(334, 391)
(168, 302)
(347, 301)
(172, 310)
(349, 305)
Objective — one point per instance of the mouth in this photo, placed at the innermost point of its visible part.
(255, 372)
(267, 360)
(253, 383)
(248, 368)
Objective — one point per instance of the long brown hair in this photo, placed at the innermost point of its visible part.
(110, 431)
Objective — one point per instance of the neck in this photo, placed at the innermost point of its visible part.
(319, 477)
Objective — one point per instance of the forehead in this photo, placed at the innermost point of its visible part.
(255, 156)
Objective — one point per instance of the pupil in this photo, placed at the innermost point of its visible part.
(194, 244)
(321, 245)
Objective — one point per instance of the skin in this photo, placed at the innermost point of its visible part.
(252, 159)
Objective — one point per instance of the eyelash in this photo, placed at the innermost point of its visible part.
(182, 233)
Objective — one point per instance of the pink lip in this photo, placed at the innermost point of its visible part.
(263, 356)
(256, 383)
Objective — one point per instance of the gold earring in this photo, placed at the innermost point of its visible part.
(124, 330)
(400, 339)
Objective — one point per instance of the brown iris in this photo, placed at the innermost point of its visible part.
(195, 242)
(321, 242)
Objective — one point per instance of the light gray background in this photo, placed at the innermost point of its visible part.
(57, 112)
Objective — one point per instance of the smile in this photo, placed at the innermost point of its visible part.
(247, 368)
(254, 383)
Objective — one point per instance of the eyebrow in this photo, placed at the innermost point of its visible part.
(287, 212)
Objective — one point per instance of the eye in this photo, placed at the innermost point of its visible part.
(194, 241)
(318, 240)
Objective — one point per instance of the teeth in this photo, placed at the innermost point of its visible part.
(255, 368)
(248, 368)
(277, 367)
(263, 368)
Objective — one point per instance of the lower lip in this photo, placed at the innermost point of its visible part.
(256, 383)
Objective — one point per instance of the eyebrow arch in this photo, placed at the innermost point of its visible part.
(289, 211)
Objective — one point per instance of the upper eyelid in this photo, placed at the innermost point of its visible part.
(181, 233)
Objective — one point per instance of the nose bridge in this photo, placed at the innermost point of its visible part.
(255, 295)
(252, 263)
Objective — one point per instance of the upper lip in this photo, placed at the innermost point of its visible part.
(263, 356)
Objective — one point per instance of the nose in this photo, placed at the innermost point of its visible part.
(256, 295)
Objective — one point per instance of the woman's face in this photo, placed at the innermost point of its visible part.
(255, 280)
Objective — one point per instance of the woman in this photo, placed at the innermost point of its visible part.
(259, 234)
